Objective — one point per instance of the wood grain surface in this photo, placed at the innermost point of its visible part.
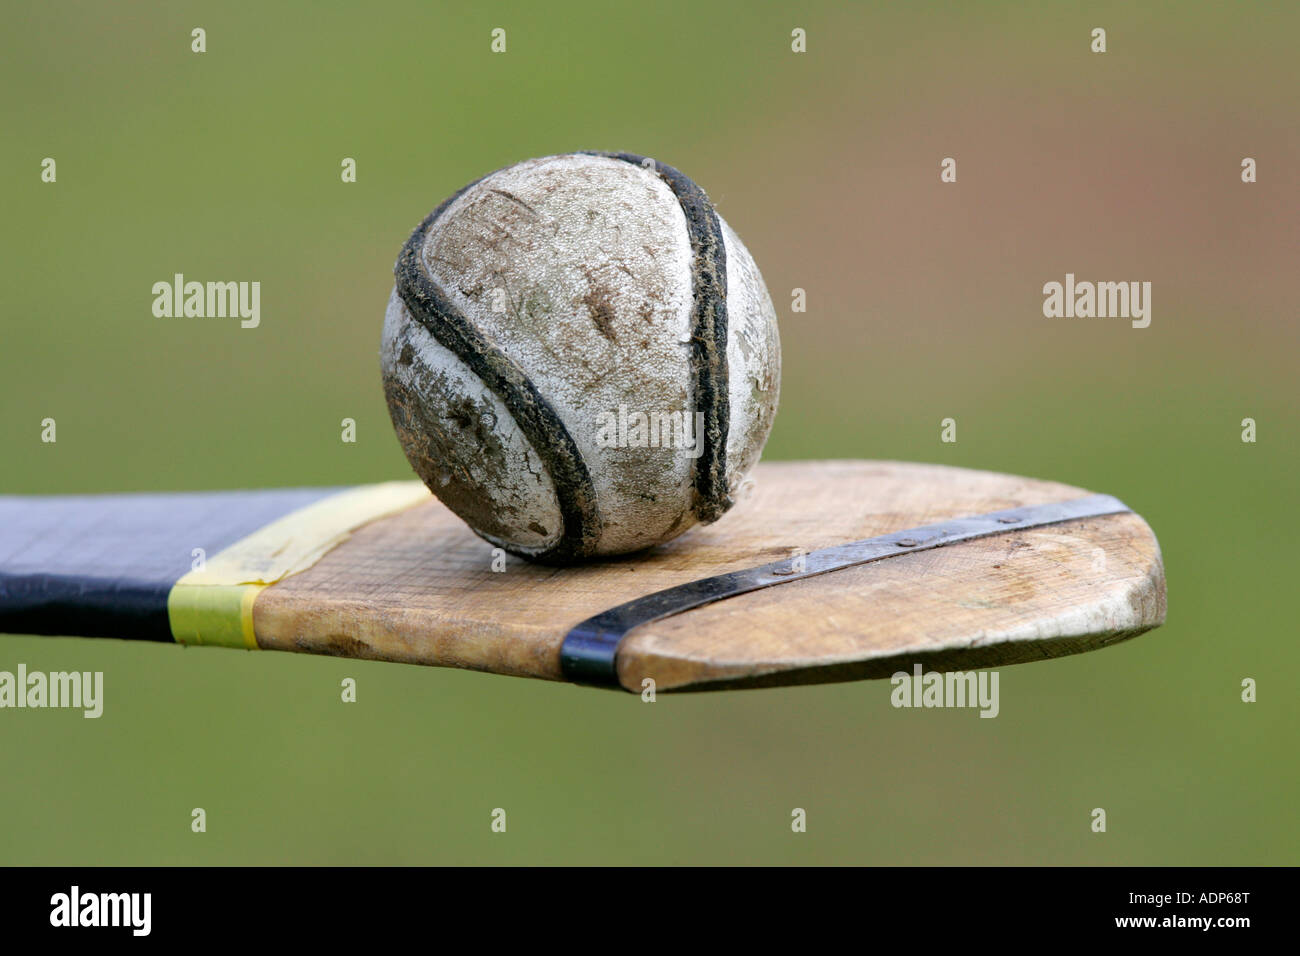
(418, 587)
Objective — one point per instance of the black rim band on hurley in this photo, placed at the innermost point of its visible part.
(589, 654)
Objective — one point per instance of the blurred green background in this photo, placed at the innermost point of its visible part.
(924, 301)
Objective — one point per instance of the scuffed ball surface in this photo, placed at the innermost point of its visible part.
(571, 283)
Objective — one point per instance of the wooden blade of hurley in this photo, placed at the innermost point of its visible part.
(386, 572)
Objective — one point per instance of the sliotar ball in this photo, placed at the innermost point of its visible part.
(580, 356)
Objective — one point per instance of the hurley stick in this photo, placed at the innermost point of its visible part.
(829, 571)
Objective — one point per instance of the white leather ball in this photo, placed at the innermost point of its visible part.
(557, 331)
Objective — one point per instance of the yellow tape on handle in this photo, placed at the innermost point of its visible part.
(214, 606)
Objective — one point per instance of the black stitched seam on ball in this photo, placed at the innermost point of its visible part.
(708, 333)
(536, 418)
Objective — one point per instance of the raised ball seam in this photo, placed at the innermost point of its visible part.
(708, 334)
(535, 416)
